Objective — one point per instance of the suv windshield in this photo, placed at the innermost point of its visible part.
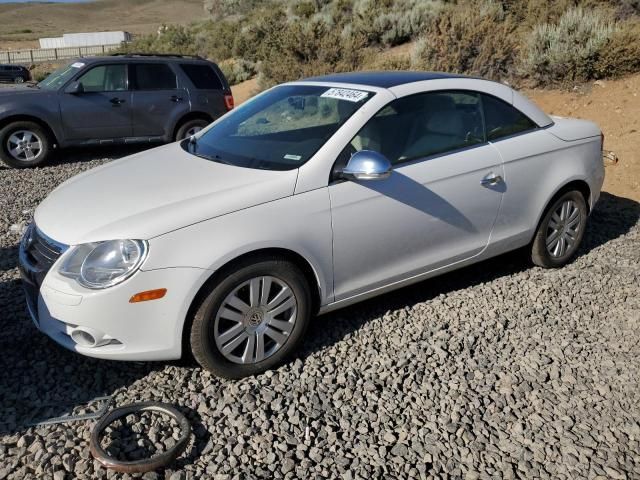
(281, 129)
(60, 76)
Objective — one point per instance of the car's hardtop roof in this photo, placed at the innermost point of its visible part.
(382, 79)
(142, 59)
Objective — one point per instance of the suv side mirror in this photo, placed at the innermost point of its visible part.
(367, 165)
(75, 88)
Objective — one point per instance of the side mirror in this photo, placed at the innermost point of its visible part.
(75, 88)
(367, 165)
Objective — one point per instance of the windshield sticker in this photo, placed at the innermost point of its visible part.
(289, 156)
(345, 94)
(77, 65)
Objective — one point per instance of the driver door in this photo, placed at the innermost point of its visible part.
(103, 109)
(435, 209)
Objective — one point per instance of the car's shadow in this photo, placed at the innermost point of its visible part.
(612, 218)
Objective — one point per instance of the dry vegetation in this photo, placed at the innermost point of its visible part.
(533, 42)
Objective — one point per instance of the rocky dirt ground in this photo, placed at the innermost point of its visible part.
(500, 370)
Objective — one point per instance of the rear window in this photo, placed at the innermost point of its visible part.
(153, 76)
(203, 77)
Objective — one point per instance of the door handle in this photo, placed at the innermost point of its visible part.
(116, 101)
(175, 98)
(491, 180)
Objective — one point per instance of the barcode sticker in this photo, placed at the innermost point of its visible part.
(345, 94)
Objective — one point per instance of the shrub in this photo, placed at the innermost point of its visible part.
(621, 54)
(377, 62)
(295, 50)
(484, 44)
(237, 70)
(569, 49)
(169, 39)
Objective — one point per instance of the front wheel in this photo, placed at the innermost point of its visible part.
(252, 319)
(24, 144)
(19, 80)
(560, 232)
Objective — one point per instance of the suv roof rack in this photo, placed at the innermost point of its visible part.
(170, 55)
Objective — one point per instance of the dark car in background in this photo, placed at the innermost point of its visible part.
(132, 98)
(14, 73)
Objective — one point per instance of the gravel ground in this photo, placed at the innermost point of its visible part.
(500, 370)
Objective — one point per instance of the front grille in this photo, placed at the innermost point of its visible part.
(40, 253)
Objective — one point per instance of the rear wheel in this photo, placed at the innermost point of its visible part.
(18, 80)
(252, 319)
(24, 144)
(561, 231)
(190, 128)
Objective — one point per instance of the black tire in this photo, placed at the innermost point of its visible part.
(540, 254)
(19, 80)
(22, 126)
(183, 131)
(201, 335)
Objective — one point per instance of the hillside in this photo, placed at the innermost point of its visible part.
(21, 24)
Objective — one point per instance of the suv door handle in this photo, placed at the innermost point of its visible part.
(175, 98)
(116, 101)
(491, 180)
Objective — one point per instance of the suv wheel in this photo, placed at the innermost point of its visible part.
(19, 80)
(190, 128)
(24, 144)
(560, 232)
(252, 319)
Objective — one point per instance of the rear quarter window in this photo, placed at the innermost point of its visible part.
(153, 76)
(503, 120)
(203, 77)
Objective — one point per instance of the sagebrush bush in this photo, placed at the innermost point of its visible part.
(376, 62)
(237, 70)
(621, 54)
(569, 49)
(484, 43)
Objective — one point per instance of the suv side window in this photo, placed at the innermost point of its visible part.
(503, 120)
(153, 76)
(105, 78)
(203, 77)
(421, 125)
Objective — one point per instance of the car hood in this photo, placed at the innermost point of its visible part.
(154, 192)
(12, 91)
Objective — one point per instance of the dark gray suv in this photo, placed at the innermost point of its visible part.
(14, 73)
(131, 98)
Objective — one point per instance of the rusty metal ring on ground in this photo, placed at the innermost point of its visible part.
(144, 465)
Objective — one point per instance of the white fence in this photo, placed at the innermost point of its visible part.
(52, 54)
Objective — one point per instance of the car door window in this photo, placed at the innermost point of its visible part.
(419, 126)
(502, 119)
(105, 78)
(153, 76)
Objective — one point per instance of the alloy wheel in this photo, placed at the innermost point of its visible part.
(24, 145)
(255, 320)
(563, 229)
(192, 131)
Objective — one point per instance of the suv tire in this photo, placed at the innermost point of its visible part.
(229, 314)
(191, 127)
(24, 144)
(19, 80)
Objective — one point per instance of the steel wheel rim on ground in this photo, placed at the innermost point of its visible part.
(24, 145)
(255, 320)
(563, 229)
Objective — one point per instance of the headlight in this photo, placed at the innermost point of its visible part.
(104, 264)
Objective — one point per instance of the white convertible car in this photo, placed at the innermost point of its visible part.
(311, 196)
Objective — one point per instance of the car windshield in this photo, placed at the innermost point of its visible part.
(60, 76)
(281, 129)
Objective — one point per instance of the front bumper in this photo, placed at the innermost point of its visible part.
(142, 331)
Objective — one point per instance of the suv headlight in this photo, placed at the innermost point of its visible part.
(104, 264)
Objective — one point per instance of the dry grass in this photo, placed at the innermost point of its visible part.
(46, 20)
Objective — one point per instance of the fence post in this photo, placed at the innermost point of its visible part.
(8, 58)
(103, 48)
(31, 55)
(80, 51)
(55, 53)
